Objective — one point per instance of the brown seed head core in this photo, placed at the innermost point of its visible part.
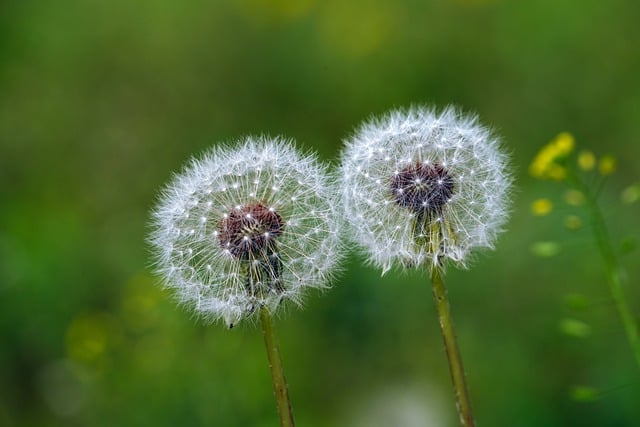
(249, 231)
(422, 187)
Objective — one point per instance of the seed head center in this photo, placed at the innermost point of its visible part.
(423, 187)
(249, 231)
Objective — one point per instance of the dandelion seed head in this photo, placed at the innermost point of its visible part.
(424, 188)
(237, 228)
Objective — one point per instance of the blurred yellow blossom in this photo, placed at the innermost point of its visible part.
(564, 143)
(541, 207)
(557, 172)
(586, 160)
(607, 165)
(631, 194)
(573, 222)
(574, 197)
(545, 166)
(90, 336)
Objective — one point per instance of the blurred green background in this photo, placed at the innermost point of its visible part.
(101, 101)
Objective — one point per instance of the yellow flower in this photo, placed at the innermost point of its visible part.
(564, 143)
(90, 336)
(607, 165)
(631, 194)
(557, 172)
(572, 222)
(586, 160)
(574, 197)
(545, 166)
(541, 207)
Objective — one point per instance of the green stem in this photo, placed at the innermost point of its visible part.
(463, 402)
(277, 374)
(613, 270)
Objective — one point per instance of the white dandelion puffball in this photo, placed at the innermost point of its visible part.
(421, 188)
(245, 228)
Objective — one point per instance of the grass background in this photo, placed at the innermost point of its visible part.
(101, 101)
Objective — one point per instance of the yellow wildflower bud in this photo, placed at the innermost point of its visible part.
(572, 222)
(541, 163)
(545, 164)
(631, 194)
(564, 143)
(556, 172)
(607, 165)
(536, 169)
(541, 207)
(574, 197)
(88, 337)
(586, 160)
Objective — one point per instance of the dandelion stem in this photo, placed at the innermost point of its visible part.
(463, 402)
(275, 364)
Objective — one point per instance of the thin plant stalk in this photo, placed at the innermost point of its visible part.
(277, 373)
(612, 268)
(463, 401)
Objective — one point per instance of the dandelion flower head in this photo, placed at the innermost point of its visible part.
(424, 188)
(247, 227)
